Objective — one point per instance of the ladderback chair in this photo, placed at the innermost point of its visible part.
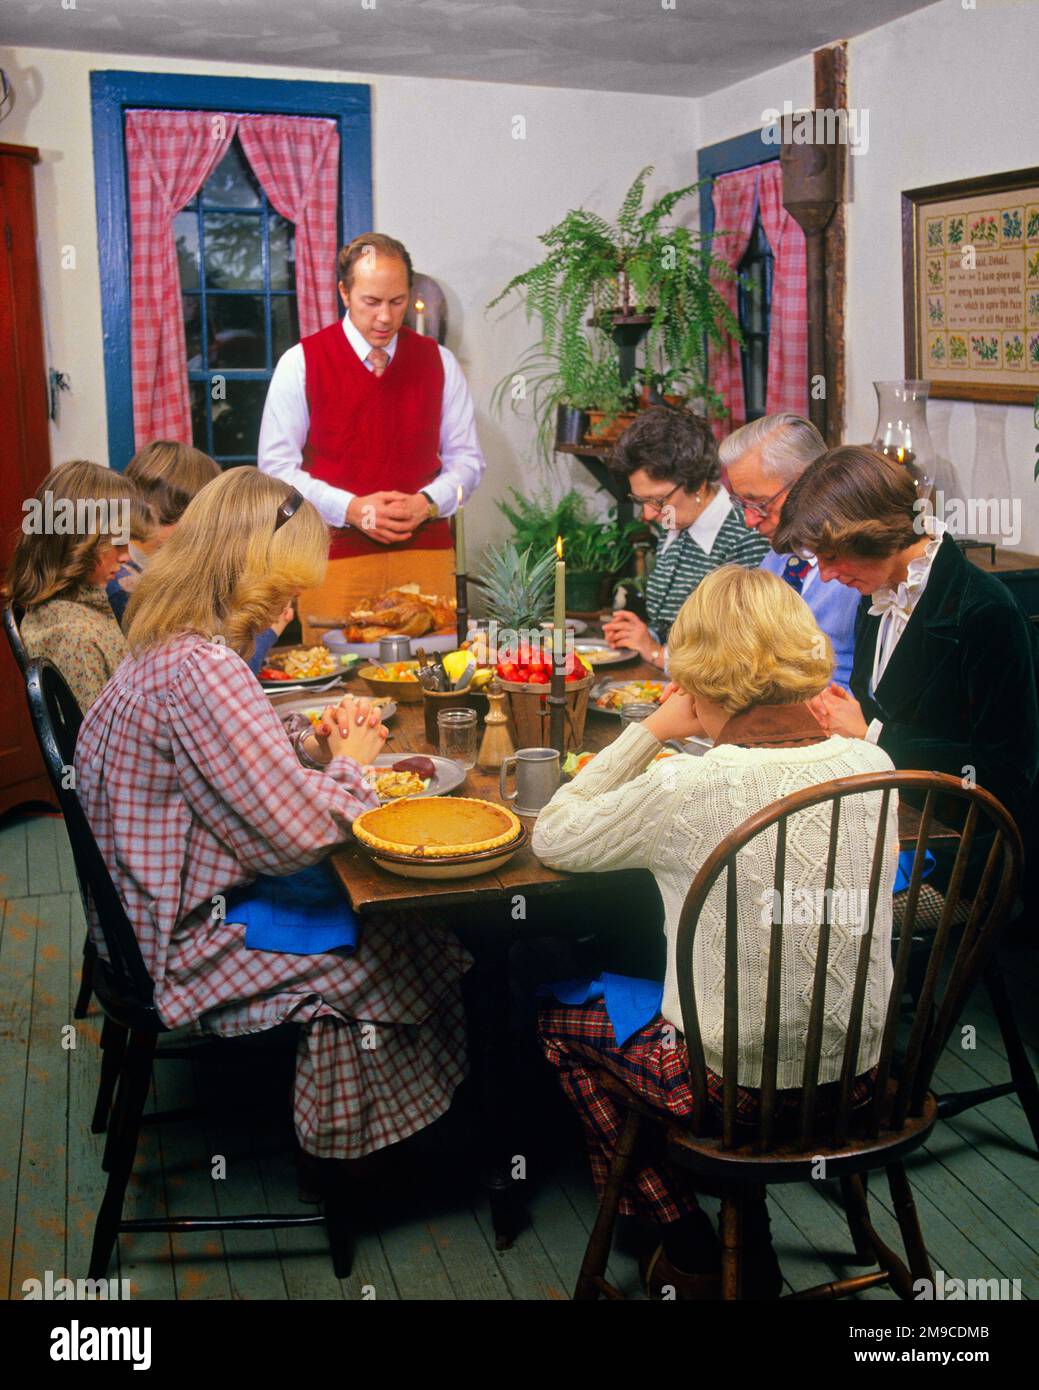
(738, 1160)
(12, 620)
(126, 994)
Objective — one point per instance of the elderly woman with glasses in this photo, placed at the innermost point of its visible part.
(669, 460)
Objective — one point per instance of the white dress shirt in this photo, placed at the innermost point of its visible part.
(895, 607)
(286, 422)
(704, 530)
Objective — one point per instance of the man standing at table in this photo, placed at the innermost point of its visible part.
(761, 462)
(373, 424)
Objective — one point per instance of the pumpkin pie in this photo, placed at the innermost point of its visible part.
(437, 827)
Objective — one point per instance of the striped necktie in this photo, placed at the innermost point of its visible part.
(794, 571)
(380, 360)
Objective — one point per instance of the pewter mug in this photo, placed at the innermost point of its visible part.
(537, 778)
(394, 649)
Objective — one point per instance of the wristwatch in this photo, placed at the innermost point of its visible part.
(434, 510)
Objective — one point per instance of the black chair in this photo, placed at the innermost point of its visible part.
(132, 1024)
(12, 620)
(738, 1159)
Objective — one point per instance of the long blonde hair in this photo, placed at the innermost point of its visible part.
(743, 638)
(47, 561)
(225, 572)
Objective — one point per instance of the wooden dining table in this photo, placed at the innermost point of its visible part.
(493, 924)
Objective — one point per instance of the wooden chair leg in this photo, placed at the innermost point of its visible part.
(126, 1124)
(340, 1227)
(863, 1250)
(593, 1266)
(86, 981)
(897, 1274)
(909, 1223)
(731, 1230)
(113, 1048)
(1020, 1067)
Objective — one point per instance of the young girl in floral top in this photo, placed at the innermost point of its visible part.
(192, 789)
(74, 538)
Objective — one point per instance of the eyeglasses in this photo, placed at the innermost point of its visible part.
(658, 503)
(758, 508)
(288, 508)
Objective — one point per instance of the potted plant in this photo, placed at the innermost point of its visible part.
(596, 551)
(594, 276)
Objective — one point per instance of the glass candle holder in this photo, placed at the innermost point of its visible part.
(456, 736)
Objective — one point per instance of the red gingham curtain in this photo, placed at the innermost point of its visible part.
(788, 324)
(734, 197)
(296, 159)
(169, 156)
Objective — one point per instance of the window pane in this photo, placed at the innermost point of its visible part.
(233, 259)
(236, 420)
(232, 183)
(282, 246)
(185, 235)
(284, 324)
(197, 392)
(236, 330)
(193, 331)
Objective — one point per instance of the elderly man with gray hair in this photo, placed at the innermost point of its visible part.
(761, 463)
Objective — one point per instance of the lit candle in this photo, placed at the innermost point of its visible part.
(460, 534)
(420, 316)
(559, 611)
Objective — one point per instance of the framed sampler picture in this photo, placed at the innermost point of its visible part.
(970, 271)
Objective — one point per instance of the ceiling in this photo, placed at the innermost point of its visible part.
(606, 45)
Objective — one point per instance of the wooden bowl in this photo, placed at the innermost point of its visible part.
(404, 692)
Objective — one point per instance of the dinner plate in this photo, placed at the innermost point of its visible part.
(576, 625)
(600, 688)
(614, 656)
(302, 703)
(448, 775)
(346, 665)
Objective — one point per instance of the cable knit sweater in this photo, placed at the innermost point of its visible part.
(617, 814)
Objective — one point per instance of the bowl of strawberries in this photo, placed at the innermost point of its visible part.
(525, 675)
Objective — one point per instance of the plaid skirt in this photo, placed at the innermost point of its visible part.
(579, 1042)
(382, 1042)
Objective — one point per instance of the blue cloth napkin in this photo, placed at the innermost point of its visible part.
(630, 1002)
(905, 868)
(301, 914)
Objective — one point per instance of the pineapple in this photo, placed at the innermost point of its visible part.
(517, 588)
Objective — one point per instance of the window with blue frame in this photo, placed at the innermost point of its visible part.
(236, 255)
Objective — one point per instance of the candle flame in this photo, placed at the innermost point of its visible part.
(461, 495)
(559, 547)
(420, 304)
(901, 454)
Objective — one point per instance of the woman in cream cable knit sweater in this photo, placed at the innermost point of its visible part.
(746, 656)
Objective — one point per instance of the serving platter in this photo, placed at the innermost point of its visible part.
(335, 641)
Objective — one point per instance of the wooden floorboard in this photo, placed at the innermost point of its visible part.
(428, 1235)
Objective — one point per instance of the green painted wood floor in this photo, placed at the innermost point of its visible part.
(424, 1226)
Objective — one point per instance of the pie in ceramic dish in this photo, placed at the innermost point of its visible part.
(437, 827)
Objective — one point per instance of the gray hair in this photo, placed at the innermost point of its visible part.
(788, 444)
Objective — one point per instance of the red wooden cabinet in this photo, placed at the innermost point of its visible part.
(24, 444)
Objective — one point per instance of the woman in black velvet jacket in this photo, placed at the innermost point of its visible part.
(945, 669)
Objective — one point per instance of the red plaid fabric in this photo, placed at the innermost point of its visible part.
(735, 198)
(169, 156)
(788, 316)
(191, 787)
(579, 1041)
(296, 159)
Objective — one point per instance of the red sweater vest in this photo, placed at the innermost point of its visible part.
(369, 433)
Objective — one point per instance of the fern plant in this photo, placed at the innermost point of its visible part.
(592, 268)
(589, 545)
